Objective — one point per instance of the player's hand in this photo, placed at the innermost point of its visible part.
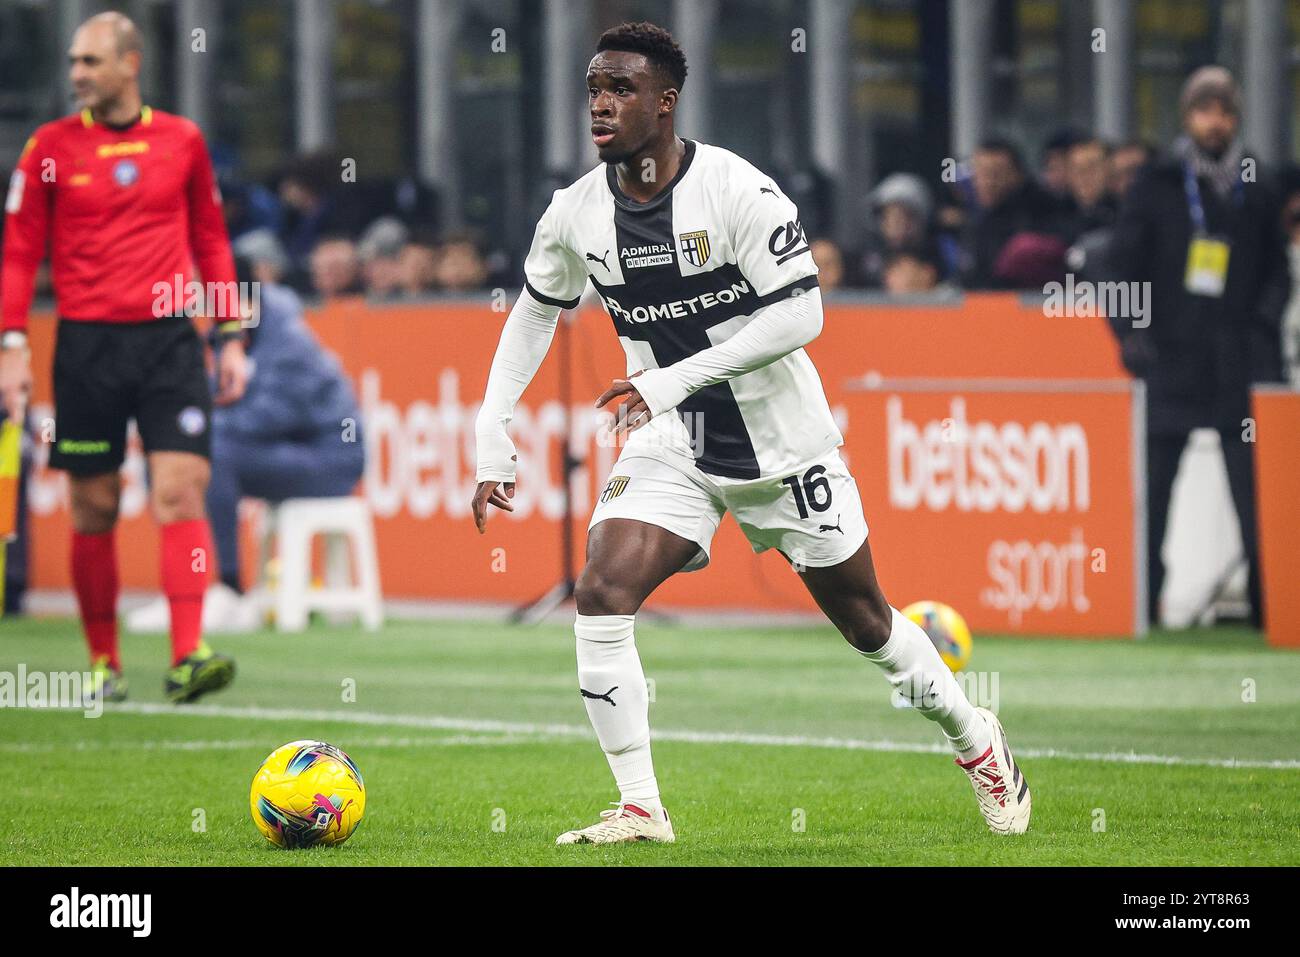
(631, 415)
(232, 373)
(491, 493)
(15, 381)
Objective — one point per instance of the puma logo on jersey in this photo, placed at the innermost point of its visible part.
(835, 527)
(592, 257)
(601, 697)
(767, 189)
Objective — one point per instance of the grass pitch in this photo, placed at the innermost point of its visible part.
(774, 747)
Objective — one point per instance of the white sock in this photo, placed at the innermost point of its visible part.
(614, 691)
(913, 667)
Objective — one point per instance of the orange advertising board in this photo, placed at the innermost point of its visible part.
(1010, 500)
(1277, 481)
(420, 370)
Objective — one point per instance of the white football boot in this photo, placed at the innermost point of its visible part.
(1001, 789)
(623, 824)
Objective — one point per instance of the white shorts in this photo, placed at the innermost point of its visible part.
(814, 515)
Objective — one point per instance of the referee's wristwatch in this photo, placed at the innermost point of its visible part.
(231, 330)
(13, 339)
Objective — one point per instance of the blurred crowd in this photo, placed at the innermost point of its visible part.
(989, 221)
(997, 225)
(325, 237)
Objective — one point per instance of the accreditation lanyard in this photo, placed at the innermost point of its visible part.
(1207, 256)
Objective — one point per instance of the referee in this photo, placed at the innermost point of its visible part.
(125, 199)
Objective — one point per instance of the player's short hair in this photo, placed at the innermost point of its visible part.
(653, 42)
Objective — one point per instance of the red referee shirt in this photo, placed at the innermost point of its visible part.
(123, 210)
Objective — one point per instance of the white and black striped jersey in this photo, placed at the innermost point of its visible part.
(683, 272)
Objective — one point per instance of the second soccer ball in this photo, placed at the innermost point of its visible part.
(946, 629)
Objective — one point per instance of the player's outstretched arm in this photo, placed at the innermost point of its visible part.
(776, 331)
(527, 336)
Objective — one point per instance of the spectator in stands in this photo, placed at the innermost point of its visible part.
(417, 264)
(296, 433)
(1007, 203)
(1125, 163)
(459, 266)
(1094, 207)
(1030, 261)
(901, 207)
(380, 249)
(1208, 241)
(908, 272)
(314, 207)
(246, 206)
(1054, 161)
(267, 259)
(1091, 205)
(830, 264)
(335, 268)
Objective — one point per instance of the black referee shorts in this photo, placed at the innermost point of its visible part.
(106, 373)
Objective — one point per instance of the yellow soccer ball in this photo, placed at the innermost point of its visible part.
(946, 629)
(307, 794)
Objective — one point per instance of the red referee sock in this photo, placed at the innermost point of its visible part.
(186, 553)
(94, 578)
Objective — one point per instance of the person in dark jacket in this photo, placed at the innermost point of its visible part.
(1008, 203)
(1201, 225)
(1090, 205)
(296, 433)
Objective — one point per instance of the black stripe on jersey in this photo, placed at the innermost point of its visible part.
(622, 199)
(550, 300)
(705, 299)
(785, 292)
(673, 313)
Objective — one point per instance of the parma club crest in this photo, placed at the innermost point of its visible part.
(695, 247)
(615, 487)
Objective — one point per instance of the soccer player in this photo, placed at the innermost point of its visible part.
(126, 199)
(705, 271)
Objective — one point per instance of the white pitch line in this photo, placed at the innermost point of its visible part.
(29, 747)
(534, 731)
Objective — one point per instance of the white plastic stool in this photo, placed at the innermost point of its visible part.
(343, 521)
